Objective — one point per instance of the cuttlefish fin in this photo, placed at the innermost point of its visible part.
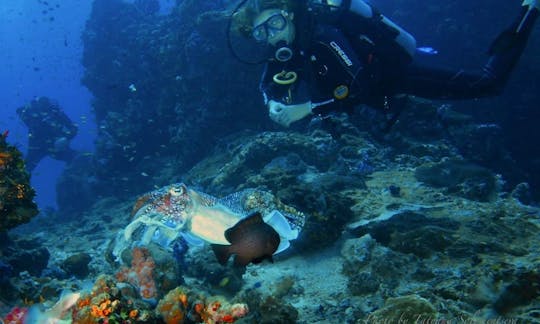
(192, 239)
(280, 224)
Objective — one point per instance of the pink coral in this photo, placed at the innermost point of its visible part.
(239, 310)
(219, 311)
(16, 316)
(141, 273)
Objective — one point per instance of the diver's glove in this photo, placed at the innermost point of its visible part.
(287, 114)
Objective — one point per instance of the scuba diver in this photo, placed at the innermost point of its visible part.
(330, 55)
(49, 131)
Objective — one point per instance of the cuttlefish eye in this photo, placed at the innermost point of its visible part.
(177, 191)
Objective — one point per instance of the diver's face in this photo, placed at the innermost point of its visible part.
(274, 26)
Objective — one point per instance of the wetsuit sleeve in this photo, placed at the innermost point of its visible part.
(443, 83)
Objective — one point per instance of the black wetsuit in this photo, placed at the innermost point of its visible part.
(50, 131)
(355, 61)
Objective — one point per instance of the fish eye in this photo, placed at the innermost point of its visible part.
(176, 191)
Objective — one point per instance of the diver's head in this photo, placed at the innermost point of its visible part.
(270, 23)
(274, 26)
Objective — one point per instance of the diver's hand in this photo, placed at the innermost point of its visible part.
(288, 114)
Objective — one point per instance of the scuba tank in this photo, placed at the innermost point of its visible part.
(359, 20)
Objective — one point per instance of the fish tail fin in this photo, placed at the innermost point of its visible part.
(222, 253)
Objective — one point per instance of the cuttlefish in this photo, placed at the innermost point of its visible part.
(178, 210)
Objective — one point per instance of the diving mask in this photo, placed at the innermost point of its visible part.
(269, 27)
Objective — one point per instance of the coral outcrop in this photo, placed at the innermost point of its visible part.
(16, 194)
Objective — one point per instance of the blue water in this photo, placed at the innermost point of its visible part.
(40, 54)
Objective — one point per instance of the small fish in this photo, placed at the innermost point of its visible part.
(224, 282)
(428, 50)
(252, 240)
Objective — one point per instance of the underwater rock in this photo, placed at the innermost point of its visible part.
(147, 7)
(284, 286)
(394, 190)
(323, 227)
(423, 242)
(149, 117)
(411, 232)
(77, 265)
(358, 252)
(7, 291)
(404, 309)
(461, 178)
(77, 188)
(248, 156)
(481, 143)
(363, 283)
(268, 309)
(524, 289)
(370, 266)
(274, 310)
(33, 261)
(202, 264)
(522, 192)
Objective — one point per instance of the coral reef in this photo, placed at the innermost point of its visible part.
(429, 239)
(182, 305)
(108, 302)
(141, 274)
(77, 265)
(16, 195)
